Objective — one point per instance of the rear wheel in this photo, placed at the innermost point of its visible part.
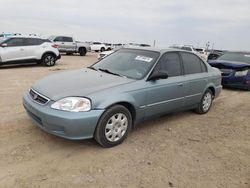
(49, 60)
(205, 103)
(113, 126)
(82, 51)
(102, 49)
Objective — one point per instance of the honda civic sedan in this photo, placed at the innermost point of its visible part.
(104, 101)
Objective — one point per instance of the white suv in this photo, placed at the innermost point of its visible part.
(21, 49)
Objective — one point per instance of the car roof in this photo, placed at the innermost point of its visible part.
(23, 36)
(160, 50)
(240, 52)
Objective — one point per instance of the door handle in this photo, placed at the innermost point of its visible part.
(180, 84)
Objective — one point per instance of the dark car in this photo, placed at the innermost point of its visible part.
(235, 69)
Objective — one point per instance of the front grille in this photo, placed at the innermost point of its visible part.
(38, 97)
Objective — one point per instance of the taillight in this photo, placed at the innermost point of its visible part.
(54, 45)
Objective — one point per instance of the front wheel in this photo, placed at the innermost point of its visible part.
(113, 126)
(205, 103)
(49, 60)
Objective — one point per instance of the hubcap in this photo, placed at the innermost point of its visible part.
(49, 60)
(207, 100)
(116, 127)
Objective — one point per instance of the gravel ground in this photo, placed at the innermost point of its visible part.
(179, 150)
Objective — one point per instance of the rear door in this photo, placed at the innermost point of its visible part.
(69, 44)
(14, 51)
(196, 78)
(33, 47)
(166, 95)
(61, 44)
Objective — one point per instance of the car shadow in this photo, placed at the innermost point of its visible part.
(24, 65)
(234, 89)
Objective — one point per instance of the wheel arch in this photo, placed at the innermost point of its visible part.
(82, 47)
(129, 106)
(212, 88)
(48, 52)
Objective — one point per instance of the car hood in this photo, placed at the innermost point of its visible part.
(223, 64)
(77, 83)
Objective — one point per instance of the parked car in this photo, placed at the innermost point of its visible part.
(215, 54)
(104, 54)
(117, 47)
(190, 49)
(129, 86)
(20, 49)
(98, 47)
(235, 69)
(69, 46)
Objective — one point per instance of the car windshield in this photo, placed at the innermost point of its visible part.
(236, 56)
(130, 63)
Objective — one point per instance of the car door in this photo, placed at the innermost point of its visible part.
(32, 47)
(69, 44)
(14, 50)
(61, 44)
(166, 95)
(196, 78)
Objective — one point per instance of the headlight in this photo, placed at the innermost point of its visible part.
(72, 104)
(241, 73)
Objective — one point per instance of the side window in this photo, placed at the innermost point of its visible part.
(192, 64)
(203, 66)
(58, 39)
(67, 39)
(15, 42)
(33, 41)
(171, 63)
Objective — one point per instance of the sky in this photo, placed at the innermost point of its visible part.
(224, 23)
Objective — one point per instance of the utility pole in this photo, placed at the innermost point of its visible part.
(154, 43)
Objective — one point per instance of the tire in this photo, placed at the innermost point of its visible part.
(82, 51)
(49, 59)
(205, 103)
(102, 49)
(113, 126)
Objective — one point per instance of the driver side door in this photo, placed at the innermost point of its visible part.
(14, 50)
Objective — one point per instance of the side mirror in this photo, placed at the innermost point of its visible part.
(4, 45)
(156, 75)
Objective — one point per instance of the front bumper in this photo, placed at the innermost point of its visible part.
(69, 125)
(240, 82)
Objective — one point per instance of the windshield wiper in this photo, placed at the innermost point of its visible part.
(109, 72)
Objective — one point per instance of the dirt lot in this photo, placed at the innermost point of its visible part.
(179, 150)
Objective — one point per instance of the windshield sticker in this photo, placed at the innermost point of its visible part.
(143, 58)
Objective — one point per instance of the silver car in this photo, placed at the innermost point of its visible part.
(106, 100)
